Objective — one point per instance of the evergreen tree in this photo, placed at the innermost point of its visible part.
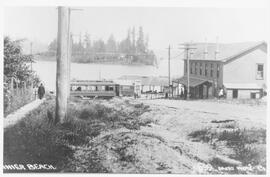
(111, 45)
(140, 41)
(133, 40)
(87, 43)
(53, 46)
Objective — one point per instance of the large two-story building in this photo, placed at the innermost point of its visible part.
(239, 68)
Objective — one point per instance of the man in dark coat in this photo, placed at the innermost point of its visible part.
(41, 91)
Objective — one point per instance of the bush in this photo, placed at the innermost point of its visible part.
(249, 145)
(36, 140)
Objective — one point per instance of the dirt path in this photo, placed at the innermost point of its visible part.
(248, 115)
(13, 118)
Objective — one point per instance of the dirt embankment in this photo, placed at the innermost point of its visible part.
(186, 141)
(136, 136)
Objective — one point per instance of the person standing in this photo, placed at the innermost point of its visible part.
(41, 91)
(220, 94)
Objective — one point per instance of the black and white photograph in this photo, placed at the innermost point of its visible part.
(135, 89)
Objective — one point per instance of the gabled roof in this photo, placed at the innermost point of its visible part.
(227, 52)
(193, 81)
(147, 80)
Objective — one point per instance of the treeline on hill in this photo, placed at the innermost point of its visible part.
(130, 50)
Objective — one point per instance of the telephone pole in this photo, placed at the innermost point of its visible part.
(31, 53)
(187, 47)
(169, 68)
(69, 49)
(62, 65)
(68, 53)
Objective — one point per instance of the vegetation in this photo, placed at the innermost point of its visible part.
(127, 51)
(248, 145)
(18, 76)
(35, 139)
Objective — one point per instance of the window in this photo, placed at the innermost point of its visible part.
(111, 88)
(211, 72)
(218, 70)
(107, 88)
(259, 73)
(190, 68)
(196, 68)
(200, 68)
(235, 93)
(205, 70)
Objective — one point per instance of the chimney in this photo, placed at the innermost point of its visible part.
(217, 49)
(205, 52)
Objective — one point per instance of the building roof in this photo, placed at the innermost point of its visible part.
(147, 80)
(124, 82)
(242, 86)
(91, 82)
(226, 51)
(193, 82)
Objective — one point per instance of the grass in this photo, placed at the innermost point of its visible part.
(36, 140)
(249, 145)
(17, 99)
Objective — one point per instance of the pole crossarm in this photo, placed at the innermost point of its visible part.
(188, 47)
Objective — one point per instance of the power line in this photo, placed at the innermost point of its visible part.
(187, 47)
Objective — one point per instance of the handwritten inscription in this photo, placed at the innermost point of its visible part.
(31, 167)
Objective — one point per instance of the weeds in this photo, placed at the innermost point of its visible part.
(36, 140)
(249, 145)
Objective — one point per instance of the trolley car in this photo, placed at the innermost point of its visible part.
(94, 89)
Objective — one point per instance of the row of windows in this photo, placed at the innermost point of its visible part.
(197, 69)
(92, 88)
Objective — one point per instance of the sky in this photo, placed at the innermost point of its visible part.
(163, 25)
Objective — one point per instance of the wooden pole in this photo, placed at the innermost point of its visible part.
(188, 89)
(62, 65)
(69, 51)
(187, 47)
(169, 69)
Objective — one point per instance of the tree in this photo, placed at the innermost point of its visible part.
(140, 41)
(53, 46)
(125, 45)
(99, 46)
(133, 40)
(111, 44)
(87, 42)
(16, 64)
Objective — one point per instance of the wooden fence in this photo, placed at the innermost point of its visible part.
(16, 96)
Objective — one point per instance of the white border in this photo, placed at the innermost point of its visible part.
(132, 3)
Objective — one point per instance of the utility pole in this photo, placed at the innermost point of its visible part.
(187, 47)
(62, 65)
(31, 53)
(69, 49)
(169, 69)
(69, 52)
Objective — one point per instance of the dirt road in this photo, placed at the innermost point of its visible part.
(200, 110)
(13, 118)
(166, 145)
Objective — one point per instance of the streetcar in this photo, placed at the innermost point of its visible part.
(94, 89)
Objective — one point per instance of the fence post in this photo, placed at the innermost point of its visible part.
(11, 85)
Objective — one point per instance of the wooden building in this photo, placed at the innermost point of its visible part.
(239, 69)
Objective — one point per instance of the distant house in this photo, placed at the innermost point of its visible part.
(148, 83)
(238, 68)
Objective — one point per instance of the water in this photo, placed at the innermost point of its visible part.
(47, 71)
